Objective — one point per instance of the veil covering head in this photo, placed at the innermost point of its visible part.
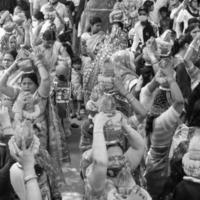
(124, 68)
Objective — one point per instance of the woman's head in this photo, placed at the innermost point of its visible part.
(194, 4)
(49, 38)
(164, 12)
(38, 15)
(8, 58)
(193, 30)
(116, 159)
(143, 14)
(12, 42)
(149, 5)
(29, 82)
(181, 44)
(96, 24)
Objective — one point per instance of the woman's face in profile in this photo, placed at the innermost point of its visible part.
(195, 31)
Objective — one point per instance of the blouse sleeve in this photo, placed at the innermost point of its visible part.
(167, 120)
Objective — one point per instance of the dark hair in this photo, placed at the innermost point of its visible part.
(191, 27)
(25, 6)
(179, 43)
(193, 21)
(13, 53)
(76, 60)
(143, 9)
(70, 5)
(193, 108)
(147, 72)
(31, 76)
(148, 31)
(38, 15)
(49, 35)
(164, 9)
(65, 37)
(147, 4)
(66, 40)
(95, 20)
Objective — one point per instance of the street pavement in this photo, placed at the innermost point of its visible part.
(74, 185)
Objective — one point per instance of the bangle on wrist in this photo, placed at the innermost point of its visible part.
(155, 61)
(38, 63)
(29, 178)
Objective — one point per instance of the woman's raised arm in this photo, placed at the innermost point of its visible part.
(44, 88)
(4, 87)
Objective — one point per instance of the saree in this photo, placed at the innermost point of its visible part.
(125, 68)
(57, 137)
(93, 44)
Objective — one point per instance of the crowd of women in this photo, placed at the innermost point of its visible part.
(133, 66)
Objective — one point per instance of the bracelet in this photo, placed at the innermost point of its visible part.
(155, 62)
(130, 97)
(98, 132)
(29, 178)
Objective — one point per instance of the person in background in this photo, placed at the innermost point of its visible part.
(143, 29)
(189, 187)
(76, 81)
(165, 21)
(37, 5)
(61, 14)
(191, 10)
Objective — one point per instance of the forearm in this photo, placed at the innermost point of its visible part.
(175, 13)
(27, 40)
(137, 147)
(152, 86)
(155, 63)
(36, 36)
(177, 97)
(44, 87)
(194, 46)
(32, 188)
(99, 151)
(137, 107)
(135, 139)
(44, 74)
